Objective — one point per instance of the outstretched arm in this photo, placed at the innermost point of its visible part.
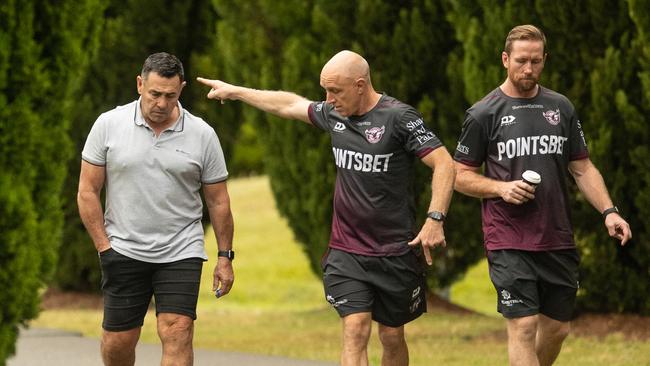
(442, 186)
(280, 103)
(591, 184)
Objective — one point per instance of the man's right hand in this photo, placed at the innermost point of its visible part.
(517, 192)
(220, 90)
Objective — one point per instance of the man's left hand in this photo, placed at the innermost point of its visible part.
(223, 277)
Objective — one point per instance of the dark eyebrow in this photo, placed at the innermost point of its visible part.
(156, 92)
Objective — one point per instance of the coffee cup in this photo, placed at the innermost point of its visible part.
(531, 177)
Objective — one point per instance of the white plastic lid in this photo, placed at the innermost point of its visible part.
(531, 177)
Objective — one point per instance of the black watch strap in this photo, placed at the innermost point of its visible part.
(230, 254)
(436, 215)
(609, 211)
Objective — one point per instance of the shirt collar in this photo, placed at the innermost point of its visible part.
(176, 126)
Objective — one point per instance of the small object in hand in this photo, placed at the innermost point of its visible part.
(218, 293)
(531, 177)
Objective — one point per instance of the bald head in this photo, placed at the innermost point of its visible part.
(347, 64)
(346, 80)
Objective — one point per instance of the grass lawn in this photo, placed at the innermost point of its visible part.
(277, 306)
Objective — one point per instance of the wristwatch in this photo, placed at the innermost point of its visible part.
(230, 254)
(609, 211)
(436, 215)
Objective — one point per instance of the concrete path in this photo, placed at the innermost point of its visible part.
(49, 347)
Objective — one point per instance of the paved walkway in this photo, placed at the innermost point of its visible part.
(49, 347)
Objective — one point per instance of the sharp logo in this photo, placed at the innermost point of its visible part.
(507, 120)
(339, 127)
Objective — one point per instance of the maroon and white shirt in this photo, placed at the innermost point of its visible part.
(512, 135)
(374, 205)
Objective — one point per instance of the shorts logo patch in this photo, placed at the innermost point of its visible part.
(374, 135)
(415, 305)
(507, 300)
(335, 303)
(416, 292)
(505, 294)
(553, 117)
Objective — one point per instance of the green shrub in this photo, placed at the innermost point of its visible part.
(44, 50)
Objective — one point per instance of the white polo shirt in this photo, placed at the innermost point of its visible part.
(153, 203)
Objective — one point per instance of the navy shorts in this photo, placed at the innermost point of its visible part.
(529, 283)
(128, 284)
(391, 288)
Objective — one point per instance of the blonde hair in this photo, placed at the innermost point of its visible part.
(525, 32)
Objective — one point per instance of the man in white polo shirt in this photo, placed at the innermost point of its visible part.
(154, 157)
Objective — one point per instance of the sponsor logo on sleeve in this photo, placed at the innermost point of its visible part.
(419, 131)
(412, 125)
(374, 135)
(553, 117)
(319, 107)
(339, 127)
(582, 134)
(462, 148)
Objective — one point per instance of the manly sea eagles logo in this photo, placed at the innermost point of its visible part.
(373, 135)
(553, 117)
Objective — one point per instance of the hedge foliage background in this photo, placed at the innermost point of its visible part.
(44, 54)
(63, 63)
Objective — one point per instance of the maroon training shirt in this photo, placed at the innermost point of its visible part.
(374, 208)
(511, 135)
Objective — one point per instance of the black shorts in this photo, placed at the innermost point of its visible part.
(530, 283)
(391, 288)
(128, 285)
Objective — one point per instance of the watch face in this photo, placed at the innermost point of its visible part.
(435, 215)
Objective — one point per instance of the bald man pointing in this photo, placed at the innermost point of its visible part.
(373, 269)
